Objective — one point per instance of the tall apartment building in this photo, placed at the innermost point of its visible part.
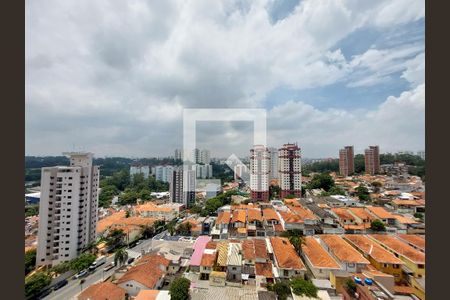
(178, 154)
(346, 161)
(195, 157)
(290, 170)
(182, 186)
(162, 173)
(205, 157)
(273, 163)
(68, 209)
(259, 173)
(203, 171)
(139, 169)
(372, 160)
(240, 172)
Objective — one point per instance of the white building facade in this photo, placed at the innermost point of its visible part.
(259, 173)
(138, 169)
(290, 170)
(68, 210)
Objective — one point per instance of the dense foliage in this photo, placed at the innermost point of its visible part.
(321, 181)
(302, 287)
(30, 260)
(179, 289)
(363, 193)
(31, 210)
(211, 205)
(36, 282)
(377, 225)
(282, 290)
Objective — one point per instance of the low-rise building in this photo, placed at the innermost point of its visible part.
(319, 261)
(102, 291)
(414, 240)
(348, 257)
(379, 257)
(287, 262)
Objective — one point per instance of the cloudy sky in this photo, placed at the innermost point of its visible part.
(113, 77)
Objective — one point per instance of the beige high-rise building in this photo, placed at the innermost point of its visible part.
(68, 209)
(372, 160)
(259, 173)
(346, 161)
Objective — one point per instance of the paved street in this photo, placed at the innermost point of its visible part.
(73, 288)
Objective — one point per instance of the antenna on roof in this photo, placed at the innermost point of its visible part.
(371, 248)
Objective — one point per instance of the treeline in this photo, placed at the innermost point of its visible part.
(211, 205)
(416, 163)
(128, 189)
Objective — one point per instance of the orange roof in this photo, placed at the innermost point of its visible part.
(260, 249)
(408, 202)
(416, 240)
(147, 295)
(211, 245)
(242, 230)
(264, 269)
(400, 247)
(404, 220)
(223, 217)
(152, 207)
(270, 214)
(146, 274)
(293, 202)
(361, 213)
(103, 290)
(239, 216)
(104, 223)
(303, 212)
(285, 254)
(367, 246)
(154, 259)
(318, 257)
(208, 260)
(357, 226)
(248, 250)
(380, 212)
(289, 217)
(343, 213)
(254, 215)
(406, 290)
(343, 250)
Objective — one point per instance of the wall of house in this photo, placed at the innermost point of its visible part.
(387, 268)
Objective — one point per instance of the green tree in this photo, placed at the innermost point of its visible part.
(321, 181)
(376, 186)
(107, 193)
(302, 287)
(377, 225)
(363, 193)
(115, 238)
(282, 290)
(171, 228)
(297, 242)
(120, 256)
(179, 289)
(418, 215)
(36, 282)
(82, 262)
(350, 286)
(147, 231)
(30, 260)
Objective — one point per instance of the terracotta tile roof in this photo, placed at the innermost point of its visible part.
(285, 254)
(146, 274)
(404, 290)
(404, 220)
(318, 257)
(248, 250)
(211, 245)
(278, 228)
(368, 246)
(260, 249)
(154, 259)
(208, 260)
(105, 223)
(416, 240)
(302, 212)
(147, 295)
(151, 207)
(223, 217)
(343, 214)
(102, 291)
(239, 216)
(380, 212)
(270, 214)
(289, 217)
(293, 202)
(407, 202)
(357, 226)
(361, 213)
(264, 269)
(254, 215)
(342, 250)
(400, 247)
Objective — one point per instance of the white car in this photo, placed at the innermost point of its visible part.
(109, 266)
(81, 274)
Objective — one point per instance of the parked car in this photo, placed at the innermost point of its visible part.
(138, 242)
(98, 262)
(60, 284)
(130, 260)
(81, 273)
(44, 293)
(109, 266)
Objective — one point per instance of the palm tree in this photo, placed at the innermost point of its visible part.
(171, 228)
(120, 256)
(147, 231)
(297, 242)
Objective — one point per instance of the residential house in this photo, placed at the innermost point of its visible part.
(255, 222)
(287, 262)
(102, 291)
(379, 257)
(207, 263)
(414, 259)
(347, 256)
(319, 261)
(221, 226)
(382, 214)
(234, 263)
(414, 240)
(199, 249)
